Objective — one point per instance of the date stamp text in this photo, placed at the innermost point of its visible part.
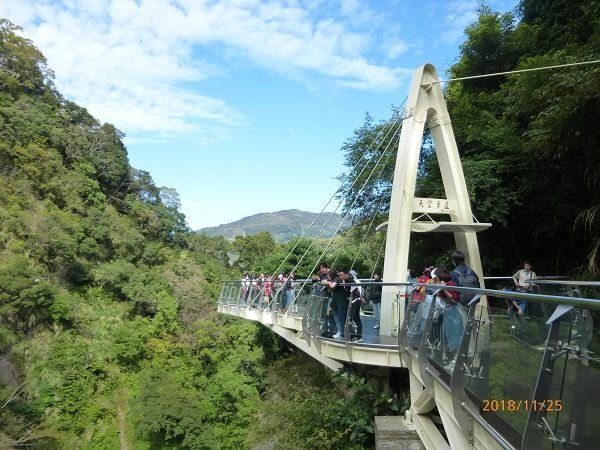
(513, 406)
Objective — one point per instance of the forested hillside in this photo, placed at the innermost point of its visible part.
(106, 309)
(282, 225)
(109, 336)
(108, 332)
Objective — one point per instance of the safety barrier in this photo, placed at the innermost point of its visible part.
(525, 377)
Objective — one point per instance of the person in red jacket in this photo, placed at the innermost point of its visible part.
(419, 293)
(450, 297)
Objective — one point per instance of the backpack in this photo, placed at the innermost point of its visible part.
(356, 292)
(418, 295)
(467, 279)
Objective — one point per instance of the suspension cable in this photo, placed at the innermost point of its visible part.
(558, 66)
(364, 168)
(402, 118)
(392, 119)
(377, 208)
(378, 255)
(382, 168)
(342, 221)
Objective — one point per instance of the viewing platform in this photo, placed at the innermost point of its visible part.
(302, 324)
(492, 379)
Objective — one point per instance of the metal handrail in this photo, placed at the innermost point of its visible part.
(540, 298)
(565, 282)
(532, 297)
(501, 294)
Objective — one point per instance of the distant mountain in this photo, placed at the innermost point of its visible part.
(283, 225)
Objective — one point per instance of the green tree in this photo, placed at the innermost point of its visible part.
(369, 156)
(252, 249)
(560, 24)
(168, 412)
(23, 65)
(523, 137)
(25, 295)
(300, 255)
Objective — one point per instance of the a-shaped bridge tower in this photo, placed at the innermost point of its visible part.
(425, 105)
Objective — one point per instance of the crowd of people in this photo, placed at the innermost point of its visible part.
(267, 291)
(342, 296)
(338, 290)
(451, 306)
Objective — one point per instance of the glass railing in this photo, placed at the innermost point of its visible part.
(548, 286)
(566, 393)
(528, 362)
(300, 297)
(502, 366)
(351, 322)
(527, 365)
(416, 316)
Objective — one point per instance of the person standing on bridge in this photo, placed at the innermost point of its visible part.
(376, 299)
(464, 276)
(268, 291)
(356, 301)
(453, 321)
(328, 325)
(246, 283)
(522, 276)
(340, 294)
(289, 290)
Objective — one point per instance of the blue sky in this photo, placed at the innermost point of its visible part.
(242, 105)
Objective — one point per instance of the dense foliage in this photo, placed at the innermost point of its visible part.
(528, 141)
(106, 298)
(307, 408)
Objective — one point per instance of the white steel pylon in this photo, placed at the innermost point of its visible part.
(425, 105)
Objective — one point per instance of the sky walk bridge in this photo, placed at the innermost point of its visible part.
(481, 377)
(510, 382)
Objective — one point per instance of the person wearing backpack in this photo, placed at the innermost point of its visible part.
(464, 276)
(522, 276)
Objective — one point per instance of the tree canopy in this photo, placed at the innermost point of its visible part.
(527, 140)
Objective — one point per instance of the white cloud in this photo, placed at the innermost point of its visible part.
(129, 62)
(350, 7)
(459, 14)
(397, 48)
